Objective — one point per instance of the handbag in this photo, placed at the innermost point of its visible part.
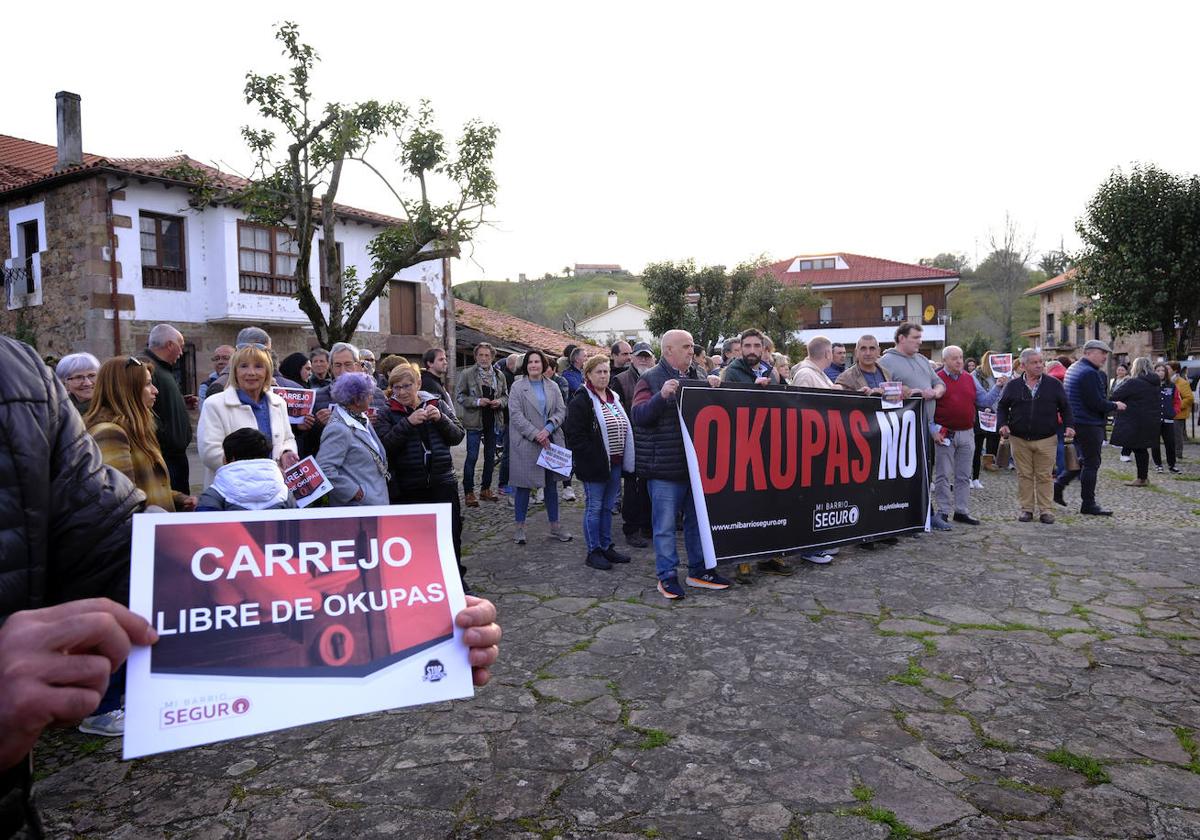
(1003, 453)
(1070, 457)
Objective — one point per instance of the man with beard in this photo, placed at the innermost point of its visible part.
(750, 368)
(619, 355)
(635, 504)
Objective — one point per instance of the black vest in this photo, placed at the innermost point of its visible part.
(658, 447)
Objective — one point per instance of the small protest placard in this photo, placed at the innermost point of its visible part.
(987, 421)
(306, 481)
(300, 402)
(1002, 364)
(279, 618)
(556, 458)
(893, 394)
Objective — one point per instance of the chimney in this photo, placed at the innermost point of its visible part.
(70, 132)
(612, 298)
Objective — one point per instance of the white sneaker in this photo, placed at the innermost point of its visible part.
(110, 724)
(819, 559)
(568, 493)
(1126, 458)
(539, 496)
(976, 484)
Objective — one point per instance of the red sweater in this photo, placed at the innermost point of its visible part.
(956, 408)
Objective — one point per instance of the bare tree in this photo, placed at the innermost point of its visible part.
(1004, 275)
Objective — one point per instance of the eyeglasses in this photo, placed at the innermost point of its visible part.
(253, 344)
(82, 377)
(220, 358)
(133, 360)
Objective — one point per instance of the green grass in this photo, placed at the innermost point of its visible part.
(91, 745)
(1088, 767)
(547, 301)
(912, 675)
(862, 793)
(652, 738)
(581, 646)
(1187, 740)
(897, 829)
(1013, 784)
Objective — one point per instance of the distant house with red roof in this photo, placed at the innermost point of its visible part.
(65, 214)
(507, 333)
(868, 295)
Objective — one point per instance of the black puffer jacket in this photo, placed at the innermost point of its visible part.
(585, 439)
(65, 518)
(656, 433)
(407, 444)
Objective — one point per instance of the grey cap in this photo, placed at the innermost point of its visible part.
(1096, 344)
(642, 347)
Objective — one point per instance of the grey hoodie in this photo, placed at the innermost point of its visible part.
(915, 371)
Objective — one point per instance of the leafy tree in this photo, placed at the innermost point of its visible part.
(299, 162)
(975, 346)
(528, 302)
(1056, 262)
(701, 301)
(777, 310)
(1004, 277)
(949, 261)
(1140, 260)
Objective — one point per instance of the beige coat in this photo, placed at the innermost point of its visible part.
(224, 413)
(808, 375)
(524, 422)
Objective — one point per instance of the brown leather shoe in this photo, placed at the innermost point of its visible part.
(489, 496)
(470, 500)
(1047, 518)
(1026, 516)
(1138, 482)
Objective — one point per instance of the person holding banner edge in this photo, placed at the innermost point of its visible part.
(600, 438)
(661, 459)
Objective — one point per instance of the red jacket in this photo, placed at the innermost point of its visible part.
(956, 408)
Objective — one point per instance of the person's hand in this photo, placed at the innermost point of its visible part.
(763, 380)
(542, 437)
(1120, 405)
(481, 635)
(714, 381)
(1003, 430)
(1001, 381)
(192, 401)
(418, 417)
(865, 390)
(1068, 434)
(669, 389)
(189, 503)
(307, 423)
(55, 664)
(288, 458)
(358, 497)
(432, 414)
(928, 393)
(323, 415)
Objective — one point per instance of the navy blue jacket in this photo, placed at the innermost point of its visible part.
(1086, 388)
(658, 440)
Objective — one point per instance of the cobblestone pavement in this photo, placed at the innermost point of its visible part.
(1009, 680)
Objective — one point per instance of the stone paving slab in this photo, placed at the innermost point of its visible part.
(1011, 680)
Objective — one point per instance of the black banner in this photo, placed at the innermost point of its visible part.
(778, 470)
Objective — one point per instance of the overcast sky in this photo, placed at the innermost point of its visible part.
(636, 132)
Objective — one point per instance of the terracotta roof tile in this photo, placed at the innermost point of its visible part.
(23, 163)
(503, 325)
(860, 269)
(1053, 283)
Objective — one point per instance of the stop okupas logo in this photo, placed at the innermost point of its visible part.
(202, 710)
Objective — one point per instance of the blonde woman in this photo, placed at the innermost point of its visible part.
(984, 440)
(248, 404)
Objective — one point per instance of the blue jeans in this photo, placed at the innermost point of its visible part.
(597, 511)
(667, 499)
(1060, 455)
(474, 437)
(521, 499)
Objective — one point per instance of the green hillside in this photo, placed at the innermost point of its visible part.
(546, 301)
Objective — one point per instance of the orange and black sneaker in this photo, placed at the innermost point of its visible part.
(670, 589)
(709, 580)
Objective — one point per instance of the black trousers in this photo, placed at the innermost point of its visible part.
(635, 507)
(1166, 434)
(178, 469)
(1088, 440)
(445, 492)
(988, 440)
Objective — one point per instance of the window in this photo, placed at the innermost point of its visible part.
(913, 308)
(162, 252)
(1049, 323)
(1064, 332)
(1080, 332)
(893, 308)
(806, 265)
(825, 314)
(266, 259)
(326, 286)
(27, 242)
(813, 265)
(403, 301)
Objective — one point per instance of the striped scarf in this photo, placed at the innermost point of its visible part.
(614, 426)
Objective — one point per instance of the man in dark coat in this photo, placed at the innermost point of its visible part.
(65, 527)
(164, 348)
(635, 493)
(750, 368)
(1087, 388)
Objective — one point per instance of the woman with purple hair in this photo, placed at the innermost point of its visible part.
(351, 454)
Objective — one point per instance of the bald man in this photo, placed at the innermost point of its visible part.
(662, 462)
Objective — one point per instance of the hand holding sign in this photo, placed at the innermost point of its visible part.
(1001, 363)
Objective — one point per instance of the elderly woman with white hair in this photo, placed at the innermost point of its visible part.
(78, 372)
(352, 456)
